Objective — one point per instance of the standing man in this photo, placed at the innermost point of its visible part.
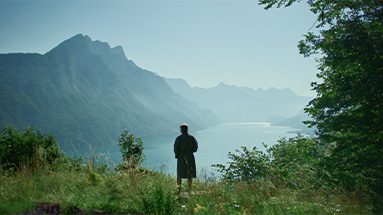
(184, 147)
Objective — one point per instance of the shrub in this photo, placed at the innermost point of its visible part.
(297, 161)
(247, 166)
(131, 149)
(27, 148)
(293, 162)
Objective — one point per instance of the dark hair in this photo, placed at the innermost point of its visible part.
(184, 128)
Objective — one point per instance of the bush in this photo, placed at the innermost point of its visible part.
(27, 148)
(297, 161)
(247, 166)
(292, 162)
(131, 149)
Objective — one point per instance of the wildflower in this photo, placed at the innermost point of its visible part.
(198, 208)
(222, 205)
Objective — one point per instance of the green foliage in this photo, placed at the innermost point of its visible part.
(348, 108)
(31, 148)
(295, 162)
(247, 166)
(161, 198)
(131, 149)
(288, 178)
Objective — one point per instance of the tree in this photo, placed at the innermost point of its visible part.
(348, 108)
(131, 149)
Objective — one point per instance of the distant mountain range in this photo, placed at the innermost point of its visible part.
(242, 104)
(86, 93)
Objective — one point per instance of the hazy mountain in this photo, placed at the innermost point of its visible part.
(152, 90)
(86, 93)
(232, 103)
(297, 123)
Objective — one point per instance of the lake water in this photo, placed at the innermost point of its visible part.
(214, 143)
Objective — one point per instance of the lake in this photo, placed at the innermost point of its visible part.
(214, 143)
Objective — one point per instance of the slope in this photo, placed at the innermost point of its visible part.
(86, 96)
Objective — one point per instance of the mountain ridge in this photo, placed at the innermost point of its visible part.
(86, 93)
(232, 103)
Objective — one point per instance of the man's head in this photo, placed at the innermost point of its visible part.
(184, 128)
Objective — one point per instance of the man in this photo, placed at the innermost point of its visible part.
(184, 147)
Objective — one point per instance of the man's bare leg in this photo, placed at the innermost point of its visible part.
(190, 182)
(179, 181)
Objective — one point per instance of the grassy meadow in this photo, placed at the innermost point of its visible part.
(87, 188)
(46, 181)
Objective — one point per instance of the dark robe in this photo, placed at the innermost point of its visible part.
(184, 147)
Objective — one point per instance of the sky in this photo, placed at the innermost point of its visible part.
(204, 42)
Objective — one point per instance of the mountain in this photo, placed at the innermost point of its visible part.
(297, 123)
(152, 90)
(86, 93)
(231, 103)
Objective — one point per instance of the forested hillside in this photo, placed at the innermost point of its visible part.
(86, 93)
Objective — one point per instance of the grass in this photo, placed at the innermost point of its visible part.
(84, 189)
(287, 180)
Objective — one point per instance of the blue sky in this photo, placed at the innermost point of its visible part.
(204, 42)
